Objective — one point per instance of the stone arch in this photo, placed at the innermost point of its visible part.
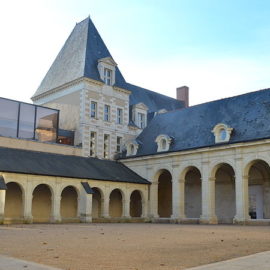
(225, 197)
(258, 173)
(97, 202)
(42, 203)
(217, 164)
(164, 180)
(69, 204)
(193, 191)
(14, 202)
(136, 203)
(116, 203)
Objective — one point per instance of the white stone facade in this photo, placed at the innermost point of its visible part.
(215, 182)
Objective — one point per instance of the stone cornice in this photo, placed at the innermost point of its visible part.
(61, 87)
(122, 90)
(197, 151)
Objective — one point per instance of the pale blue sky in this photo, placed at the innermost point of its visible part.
(217, 48)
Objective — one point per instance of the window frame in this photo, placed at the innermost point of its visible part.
(95, 110)
(93, 144)
(108, 76)
(106, 145)
(107, 114)
(119, 117)
(142, 120)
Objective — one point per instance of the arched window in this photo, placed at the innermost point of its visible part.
(163, 142)
(222, 133)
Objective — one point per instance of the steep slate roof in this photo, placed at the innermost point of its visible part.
(248, 115)
(40, 163)
(79, 58)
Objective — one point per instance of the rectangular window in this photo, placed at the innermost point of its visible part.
(141, 120)
(107, 76)
(118, 144)
(8, 118)
(106, 113)
(106, 146)
(93, 109)
(119, 119)
(46, 125)
(93, 144)
(26, 121)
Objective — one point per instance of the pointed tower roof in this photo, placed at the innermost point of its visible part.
(78, 58)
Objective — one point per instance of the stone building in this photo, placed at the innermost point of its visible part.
(94, 147)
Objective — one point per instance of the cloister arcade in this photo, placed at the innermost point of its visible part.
(66, 201)
(211, 192)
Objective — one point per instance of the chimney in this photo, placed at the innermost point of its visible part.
(182, 94)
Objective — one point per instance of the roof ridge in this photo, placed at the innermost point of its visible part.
(216, 100)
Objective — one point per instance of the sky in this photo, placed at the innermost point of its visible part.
(216, 48)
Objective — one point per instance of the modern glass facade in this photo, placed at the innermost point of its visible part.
(28, 121)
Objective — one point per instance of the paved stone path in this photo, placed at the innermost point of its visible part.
(258, 261)
(8, 263)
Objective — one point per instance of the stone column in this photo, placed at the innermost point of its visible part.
(86, 214)
(56, 204)
(106, 205)
(126, 208)
(27, 206)
(208, 197)
(178, 191)
(154, 200)
(266, 200)
(241, 193)
(2, 205)
(144, 209)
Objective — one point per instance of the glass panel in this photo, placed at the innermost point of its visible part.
(8, 117)
(93, 109)
(93, 137)
(46, 125)
(27, 121)
(106, 145)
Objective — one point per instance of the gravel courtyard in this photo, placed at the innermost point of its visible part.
(130, 246)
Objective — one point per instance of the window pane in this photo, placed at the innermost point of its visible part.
(26, 121)
(93, 109)
(46, 124)
(8, 117)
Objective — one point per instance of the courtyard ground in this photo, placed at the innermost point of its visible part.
(131, 246)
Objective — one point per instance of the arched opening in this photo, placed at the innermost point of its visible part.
(69, 204)
(96, 203)
(136, 204)
(193, 193)
(165, 194)
(14, 202)
(225, 193)
(259, 190)
(41, 204)
(116, 205)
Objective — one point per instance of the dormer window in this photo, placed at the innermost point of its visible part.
(132, 148)
(163, 142)
(107, 76)
(222, 133)
(139, 115)
(141, 120)
(106, 68)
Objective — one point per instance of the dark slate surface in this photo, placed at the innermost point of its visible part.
(87, 188)
(79, 58)
(152, 100)
(248, 115)
(3, 185)
(40, 163)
